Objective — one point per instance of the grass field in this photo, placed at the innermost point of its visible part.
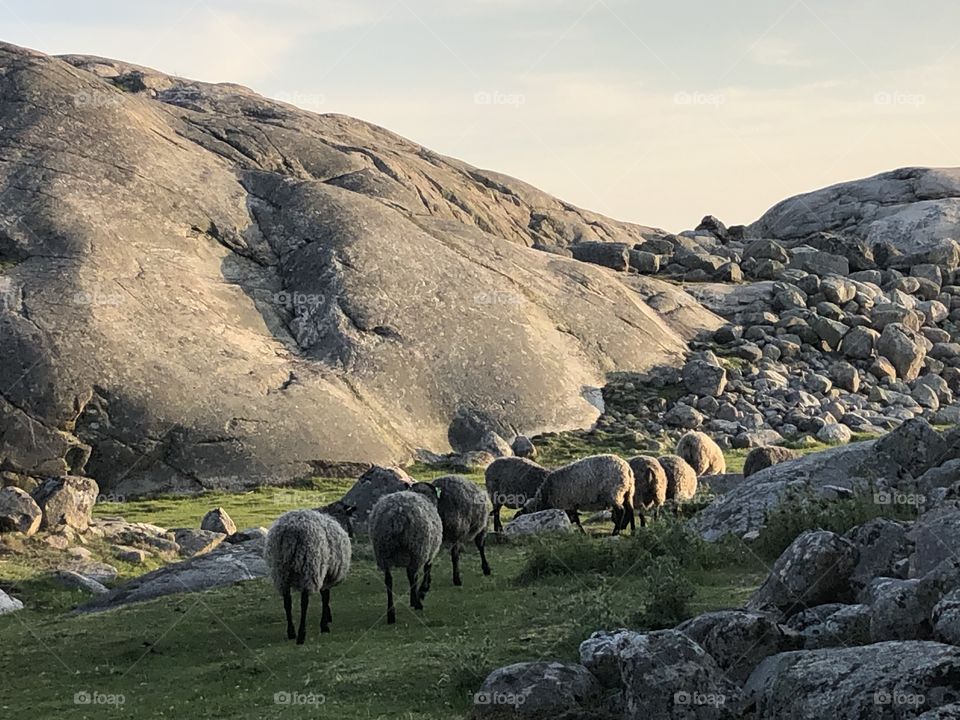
(224, 653)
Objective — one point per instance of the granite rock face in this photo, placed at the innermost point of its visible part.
(271, 293)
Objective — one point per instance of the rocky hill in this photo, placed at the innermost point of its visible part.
(205, 288)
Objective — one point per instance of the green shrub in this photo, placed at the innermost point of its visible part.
(801, 513)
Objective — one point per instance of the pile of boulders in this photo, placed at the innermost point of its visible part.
(58, 515)
(815, 353)
(865, 624)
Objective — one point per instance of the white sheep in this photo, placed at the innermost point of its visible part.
(702, 453)
(309, 551)
(406, 531)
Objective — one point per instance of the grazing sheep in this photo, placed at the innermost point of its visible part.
(760, 458)
(702, 453)
(650, 482)
(309, 551)
(681, 478)
(463, 513)
(406, 532)
(511, 482)
(597, 482)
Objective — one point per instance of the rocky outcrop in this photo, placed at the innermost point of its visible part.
(910, 208)
(264, 279)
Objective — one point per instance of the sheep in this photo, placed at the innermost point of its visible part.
(650, 482)
(760, 458)
(511, 482)
(681, 478)
(406, 532)
(591, 483)
(309, 550)
(702, 453)
(463, 513)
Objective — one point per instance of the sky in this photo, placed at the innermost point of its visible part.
(653, 112)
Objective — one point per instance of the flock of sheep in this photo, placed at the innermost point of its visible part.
(309, 550)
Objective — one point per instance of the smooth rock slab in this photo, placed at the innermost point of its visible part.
(539, 523)
(884, 680)
(536, 689)
(224, 566)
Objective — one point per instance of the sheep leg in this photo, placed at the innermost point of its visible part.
(304, 603)
(574, 516)
(618, 518)
(630, 514)
(388, 582)
(425, 583)
(497, 524)
(288, 609)
(325, 617)
(414, 593)
(455, 557)
(481, 542)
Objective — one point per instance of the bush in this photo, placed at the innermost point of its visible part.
(801, 513)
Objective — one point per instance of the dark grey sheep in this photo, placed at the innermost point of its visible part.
(511, 482)
(463, 512)
(309, 551)
(406, 532)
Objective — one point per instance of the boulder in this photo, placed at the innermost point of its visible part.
(882, 546)
(899, 611)
(946, 619)
(494, 445)
(9, 604)
(845, 376)
(612, 255)
(75, 581)
(766, 250)
(370, 487)
(536, 689)
(739, 640)
(903, 349)
(196, 542)
(218, 521)
(665, 674)
(936, 538)
(843, 626)
(600, 654)
(523, 447)
(683, 416)
(704, 378)
(821, 264)
(18, 511)
(884, 680)
(915, 446)
(539, 523)
(67, 501)
(834, 434)
(815, 569)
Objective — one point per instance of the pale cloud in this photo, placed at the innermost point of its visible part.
(779, 53)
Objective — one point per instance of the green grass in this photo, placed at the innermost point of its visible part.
(224, 653)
